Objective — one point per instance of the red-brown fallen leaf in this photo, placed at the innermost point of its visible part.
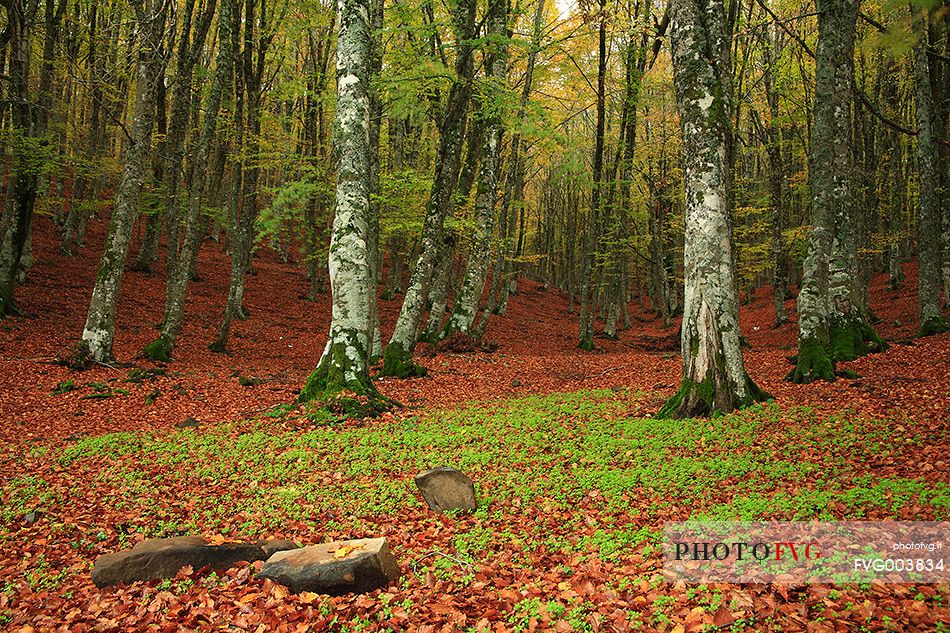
(723, 616)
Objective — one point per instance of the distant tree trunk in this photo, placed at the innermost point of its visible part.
(831, 184)
(591, 244)
(397, 244)
(398, 355)
(178, 278)
(190, 44)
(99, 331)
(465, 308)
(241, 214)
(148, 249)
(773, 148)
(344, 364)
(928, 219)
(441, 282)
(375, 123)
(73, 228)
(714, 376)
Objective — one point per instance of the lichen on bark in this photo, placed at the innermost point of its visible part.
(714, 376)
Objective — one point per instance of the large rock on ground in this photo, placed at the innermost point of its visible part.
(447, 489)
(162, 558)
(335, 569)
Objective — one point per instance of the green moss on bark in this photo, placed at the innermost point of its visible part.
(933, 325)
(698, 400)
(397, 363)
(852, 339)
(334, 386)
(159, 350)
(813, 363)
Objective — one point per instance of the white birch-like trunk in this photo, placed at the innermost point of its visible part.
(714, 376)
(343, 367)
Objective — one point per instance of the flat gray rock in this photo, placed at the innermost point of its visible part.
(162, 558)
(447, 489)
(338, 568)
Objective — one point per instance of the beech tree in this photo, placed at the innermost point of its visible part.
(832, 323)
(98, 333)
(343, 369)
(928, 218)
(714, 375)
(398, 354)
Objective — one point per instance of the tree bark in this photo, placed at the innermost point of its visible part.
(465, 308)
(178, 278)
(342, 375)
(928, 218)
(714, 376)
(99, 331)
(831, 176)
(397, 360)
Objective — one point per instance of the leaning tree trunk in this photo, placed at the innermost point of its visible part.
(714, 376)
(344, 365)
(831, 184)
(397, 359)
(177, 286)
(479, 253)
(928, 219)
(99, 331)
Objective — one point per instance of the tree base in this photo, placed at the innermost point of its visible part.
(699, 400)
(159, 350)
(586, 344)
(398, 363)
(852, 339)
(80, 358)
(933, 325)
(812, 363)
(349, 398)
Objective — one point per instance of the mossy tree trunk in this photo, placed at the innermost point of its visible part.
(928, 218)
(714, 376)
(832, 189)
(99, 331)
(342, 373)
(397, 358)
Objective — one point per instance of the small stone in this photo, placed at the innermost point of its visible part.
(187, 423)
(32, 517)
(334, 569)
(447, 489)
(162, 558)
(515, 383)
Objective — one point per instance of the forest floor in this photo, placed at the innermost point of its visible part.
(574, 477)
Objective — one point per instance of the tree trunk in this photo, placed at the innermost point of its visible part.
(342, 374)
(592, 242)
(99, 331)
(178, 278)
(398, 355)
(465, 308)
(831, 175)
(714, 376)
(928, 218)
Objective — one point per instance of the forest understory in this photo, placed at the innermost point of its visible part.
(567, 534)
